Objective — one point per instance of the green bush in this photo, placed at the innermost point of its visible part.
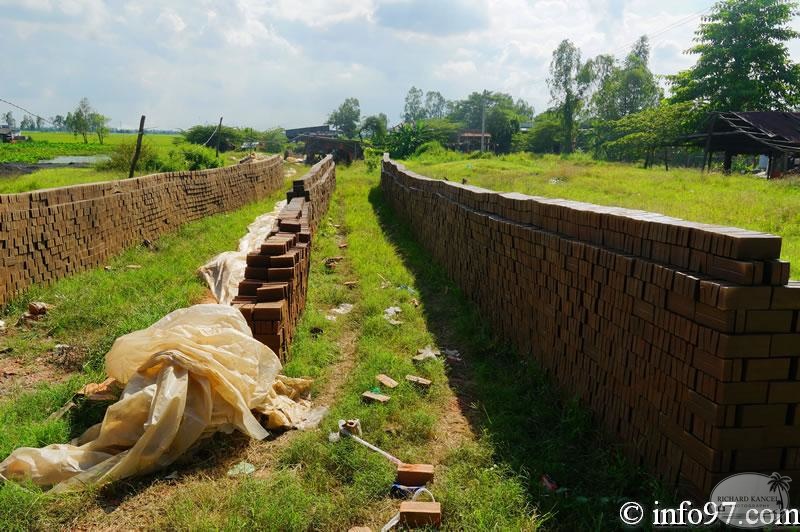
(372, 158)
(433, 148)
(199, 157)
(183, 157)
(122, 156)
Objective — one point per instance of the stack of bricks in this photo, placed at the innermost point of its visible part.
(49, 234)
(316, 187)
(683, 338)
(273, 293)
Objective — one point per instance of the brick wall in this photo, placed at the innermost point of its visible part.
(49, 234)
(683, 338)
(273, 293)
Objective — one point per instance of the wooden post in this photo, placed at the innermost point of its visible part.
(138, 147)
(666, 159)
(219, 134)
(708, 153)
(728, 162)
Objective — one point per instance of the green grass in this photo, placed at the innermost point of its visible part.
(523, 427)
(53, 178)
(735, 200)
(48, 144)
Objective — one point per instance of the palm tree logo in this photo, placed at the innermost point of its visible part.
(780, 484)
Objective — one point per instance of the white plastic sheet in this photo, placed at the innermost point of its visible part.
(224, 272)
(196, 371)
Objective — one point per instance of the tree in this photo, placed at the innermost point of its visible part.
(623, 89)
(79, 122)
(502, 124)
(39, 122)
(435, 105)
(636, 136)
(229, 138)
(8, 118)
(743, 62)
(99, 124)
(374, 128)
(345, 118)
(274, 140)
(414, 109)
(58, 122)
(545, 134)
(567, 83)
(27, 123)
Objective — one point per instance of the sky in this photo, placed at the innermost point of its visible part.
(289, 63)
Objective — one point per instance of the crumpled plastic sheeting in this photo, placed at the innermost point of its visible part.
(224, 272)
(196, 371)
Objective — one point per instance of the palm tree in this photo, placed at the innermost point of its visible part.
(781, 485)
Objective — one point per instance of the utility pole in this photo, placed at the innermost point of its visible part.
(138, 147)
(219, 134)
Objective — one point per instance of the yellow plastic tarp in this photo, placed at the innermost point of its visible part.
(196, 371)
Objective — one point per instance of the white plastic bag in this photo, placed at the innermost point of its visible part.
(196, 371)
(224, 272)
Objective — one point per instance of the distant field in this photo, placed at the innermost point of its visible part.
(735, 200)
(54, 177)
(49, 144)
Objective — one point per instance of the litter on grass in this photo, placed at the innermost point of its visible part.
(390, 313)
(195, 372)
(242, 469)
(224, 272)
(344, 308)
(427, 352)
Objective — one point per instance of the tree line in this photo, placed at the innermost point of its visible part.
(84, 120)
(614, 108)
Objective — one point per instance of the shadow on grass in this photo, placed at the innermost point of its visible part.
(509, 400)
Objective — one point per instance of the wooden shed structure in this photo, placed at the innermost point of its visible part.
(343, 150)
(775, 134)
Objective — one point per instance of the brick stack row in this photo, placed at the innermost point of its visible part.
(316, 187)
(48, 234)
(273, 293)
(683, 338)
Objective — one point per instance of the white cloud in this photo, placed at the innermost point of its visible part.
(284, 62)
(456, 68)
(171, 21)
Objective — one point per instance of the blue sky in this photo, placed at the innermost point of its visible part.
(266, 63)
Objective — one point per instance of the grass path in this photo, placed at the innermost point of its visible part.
(491, 424)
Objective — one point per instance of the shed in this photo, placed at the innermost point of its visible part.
(775, 134)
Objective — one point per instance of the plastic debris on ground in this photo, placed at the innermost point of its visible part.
(195, 372)
(242, 469)
(3, 327)
(427, 352)
(224, 272)
(390, 313)
(344, 308)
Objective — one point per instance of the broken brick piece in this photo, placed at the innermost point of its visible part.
(414, 474)
(387, 381)
(372, 397)
(419, 381)
(419, 514)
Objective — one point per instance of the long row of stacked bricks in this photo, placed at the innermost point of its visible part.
(273, 293)
(48, 234)
(683, 338)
